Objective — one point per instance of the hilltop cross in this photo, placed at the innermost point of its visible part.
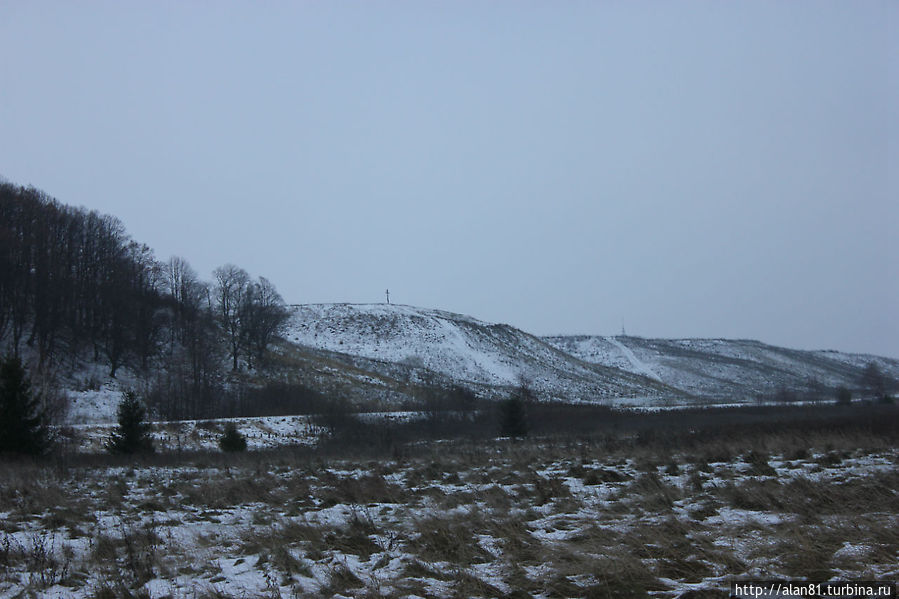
(388, 295)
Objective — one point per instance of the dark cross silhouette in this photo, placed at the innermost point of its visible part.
(388, 295)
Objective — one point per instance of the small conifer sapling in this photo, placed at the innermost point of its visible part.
(23, 424)
(232, 439)
(132, 435)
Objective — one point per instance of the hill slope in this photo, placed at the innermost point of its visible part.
(381, 356)
(722, 369)
(459, 349)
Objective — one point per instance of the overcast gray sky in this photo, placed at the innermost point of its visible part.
(723, 169)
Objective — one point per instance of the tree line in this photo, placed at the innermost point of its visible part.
(74, 284)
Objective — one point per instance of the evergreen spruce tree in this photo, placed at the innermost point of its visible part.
(232, 439)
(514, 420)
(844, 396)
(513, 416)
(23, 424)
(873, 380)
(132, 434)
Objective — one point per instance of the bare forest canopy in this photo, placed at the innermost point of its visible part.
(74, 285)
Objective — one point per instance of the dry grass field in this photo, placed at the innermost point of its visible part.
(672, 512)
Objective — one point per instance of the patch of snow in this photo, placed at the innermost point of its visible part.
(637, 365)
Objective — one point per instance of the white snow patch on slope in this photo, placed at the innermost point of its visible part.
(638, 366)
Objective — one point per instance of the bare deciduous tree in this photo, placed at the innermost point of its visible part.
(264, 315)
(231, 294)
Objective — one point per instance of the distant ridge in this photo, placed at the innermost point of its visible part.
(725, 369)
(459, 349)
(463, 350)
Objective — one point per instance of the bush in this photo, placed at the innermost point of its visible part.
(132, 434)
(335, 415)
(874, 380)
(513, 414)
(23, 424)
(232, 439)
(844, 396)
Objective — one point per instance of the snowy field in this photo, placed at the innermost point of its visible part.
(536, 518)
(263, 432)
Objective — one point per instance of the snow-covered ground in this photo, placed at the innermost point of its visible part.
(477, 522)
(96, 406)
(263, 432)
(198, 435)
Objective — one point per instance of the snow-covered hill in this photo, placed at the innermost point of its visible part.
(722, 369)
(380, 357)
(464, 350)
